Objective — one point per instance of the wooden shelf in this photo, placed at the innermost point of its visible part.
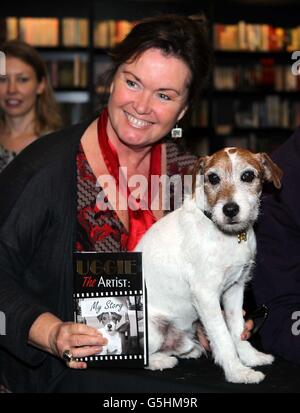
(62, 49)
(252, 55)
(259, 93)
(260, 131)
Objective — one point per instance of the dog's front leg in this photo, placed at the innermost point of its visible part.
(232, 302)
(223, 349)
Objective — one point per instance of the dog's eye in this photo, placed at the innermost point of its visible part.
(248, 176)
(213, 178)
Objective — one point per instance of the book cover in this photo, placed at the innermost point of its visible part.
(109, 295)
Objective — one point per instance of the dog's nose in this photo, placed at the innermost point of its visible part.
(109, 326)
(231, 209)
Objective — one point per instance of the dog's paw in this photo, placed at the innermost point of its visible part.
(251, 357)
(161, 361)
(256, 358)
(244, 375)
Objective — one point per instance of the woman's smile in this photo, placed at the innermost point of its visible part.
(137, 123)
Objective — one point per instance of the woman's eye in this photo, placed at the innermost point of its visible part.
(248, 176)
(163, 96)
(131, 83)
(3, 79)
(214, 179)
(23, 79)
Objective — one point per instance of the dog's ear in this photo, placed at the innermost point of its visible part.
(272, 173)
(198, 169)
(100, 316)
(116, 316)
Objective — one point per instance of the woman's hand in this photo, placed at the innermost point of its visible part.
(79, 339)
(51, 334)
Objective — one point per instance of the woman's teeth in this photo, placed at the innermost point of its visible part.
(137, 123)
(13, 102)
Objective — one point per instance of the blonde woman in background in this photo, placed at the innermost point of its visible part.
(28, 108)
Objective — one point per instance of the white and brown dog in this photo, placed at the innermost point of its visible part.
(199, 257)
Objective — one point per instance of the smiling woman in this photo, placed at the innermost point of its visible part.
(27, 105)
(157, 74)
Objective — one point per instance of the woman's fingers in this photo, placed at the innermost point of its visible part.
(248, 327)
(81, 365)
(77, 340)
(86, 351)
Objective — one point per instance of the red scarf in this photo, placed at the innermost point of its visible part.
(141, 219)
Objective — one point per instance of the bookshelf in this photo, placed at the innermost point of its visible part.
(252, 99)
(254, 96)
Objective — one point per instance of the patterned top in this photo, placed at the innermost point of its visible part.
(6, 157)
(103, 231)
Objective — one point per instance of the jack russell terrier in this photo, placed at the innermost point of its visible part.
(199, 257)
(109, 321)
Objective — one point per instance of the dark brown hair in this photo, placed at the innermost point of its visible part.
(47, 112)
(180, 36)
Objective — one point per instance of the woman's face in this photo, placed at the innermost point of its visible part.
(148, 96)
(19, 88)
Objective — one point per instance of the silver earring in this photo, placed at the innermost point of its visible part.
(176, 132)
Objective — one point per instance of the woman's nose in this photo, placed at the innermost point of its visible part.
(11, 86)
(142, 103)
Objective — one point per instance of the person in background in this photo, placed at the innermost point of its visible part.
(28, 108)
(276, 280)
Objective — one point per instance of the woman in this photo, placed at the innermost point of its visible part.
(27, 106)
(158, 72)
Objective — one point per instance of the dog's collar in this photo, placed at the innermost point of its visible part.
(241, 236)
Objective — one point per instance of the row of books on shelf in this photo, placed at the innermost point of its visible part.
(68, 73)
(272, 112)
(263, 75)
(228, 113)
(47, 32)
(73, 32)
(256, 37)
(108, 33)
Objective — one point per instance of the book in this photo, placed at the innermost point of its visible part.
(109, 295)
